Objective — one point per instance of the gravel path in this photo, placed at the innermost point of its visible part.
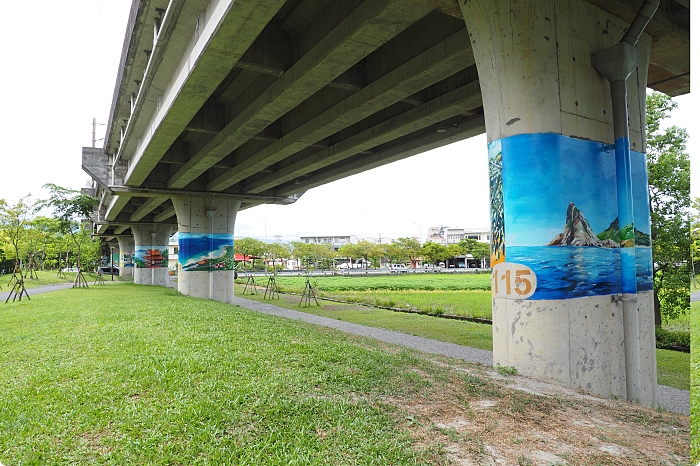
(670, 399)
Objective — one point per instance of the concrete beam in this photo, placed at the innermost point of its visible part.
(147, 207)
(444, 59)
(230, 29)
(435, 111)
(432, 140)
(163, 216)
(121, 229)
(126, 192)
(116, 205)
(368, 27)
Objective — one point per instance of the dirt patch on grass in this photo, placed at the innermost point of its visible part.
(481, 419)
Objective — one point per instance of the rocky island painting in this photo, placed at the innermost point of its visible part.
(562, 223)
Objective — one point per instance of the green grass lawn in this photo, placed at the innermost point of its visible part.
(459, 294)
(50, 277)
(476, 303)
(672, 366)
(141, 375)
(398, 282)
(695, 381)
(128, 374)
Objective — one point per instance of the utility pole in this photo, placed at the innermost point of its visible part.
(94, 126)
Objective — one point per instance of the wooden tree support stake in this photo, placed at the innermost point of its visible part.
(250, 282)
(272, 287)
(308, 293)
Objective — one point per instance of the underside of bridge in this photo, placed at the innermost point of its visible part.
(223, 105)
(263, 100)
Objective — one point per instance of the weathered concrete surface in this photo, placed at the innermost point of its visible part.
(192, 217)
(536, 77)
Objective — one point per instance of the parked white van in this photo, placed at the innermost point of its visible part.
(398, 268)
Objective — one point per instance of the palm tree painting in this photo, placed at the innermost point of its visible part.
(498, 246)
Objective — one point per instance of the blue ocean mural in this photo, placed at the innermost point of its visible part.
(206, 252)
(560, 215)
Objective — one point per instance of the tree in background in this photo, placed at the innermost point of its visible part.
(13, 225)
(435, 252)
(250, 247)
(371, 252)
(349, 251)
(477, 249)
(48, 239)
(71, 209)
(695, 244)
(411, 249)
(669, 195)
(277, 251)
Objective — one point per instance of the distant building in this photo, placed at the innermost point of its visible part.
(446, 235)
(335, 241)
(483, 235)
(454, 235)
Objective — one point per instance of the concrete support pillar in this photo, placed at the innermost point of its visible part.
(557, 244)
(206, 258)
(151, 254)
(126, 252)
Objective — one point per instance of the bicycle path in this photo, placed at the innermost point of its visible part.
(669, 398)
(32, 291)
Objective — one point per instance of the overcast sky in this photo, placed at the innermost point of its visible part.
(59, 72)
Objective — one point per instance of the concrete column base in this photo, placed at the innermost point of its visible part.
(204, 218)
(578, 343)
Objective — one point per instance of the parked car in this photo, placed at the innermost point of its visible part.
(345, 265)
(398, 268)
(108, 271)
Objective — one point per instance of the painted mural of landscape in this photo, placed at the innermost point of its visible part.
(202, 252)
(560, 216)
(151, 257)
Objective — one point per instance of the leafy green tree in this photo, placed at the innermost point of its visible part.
(349, 251)
(410, 248)
(669, 195)
(695, 243)
(394, 253)
(13, 225)
(435, 252)
(276, 251)
(250, 247)
(477, 249)
(323, 255)
(314, 254)
(370, 252)
(71, 209)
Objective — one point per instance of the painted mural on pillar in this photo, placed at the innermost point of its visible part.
(151, 257)
(498, 247)
(201, 252)
(126, 260)
(559, 214)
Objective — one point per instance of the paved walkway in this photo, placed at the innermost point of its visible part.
(669, 398)
(32, 291)
(695, 296)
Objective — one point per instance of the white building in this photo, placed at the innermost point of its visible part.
(336, 241)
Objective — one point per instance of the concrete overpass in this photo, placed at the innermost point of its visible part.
(223, 105)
